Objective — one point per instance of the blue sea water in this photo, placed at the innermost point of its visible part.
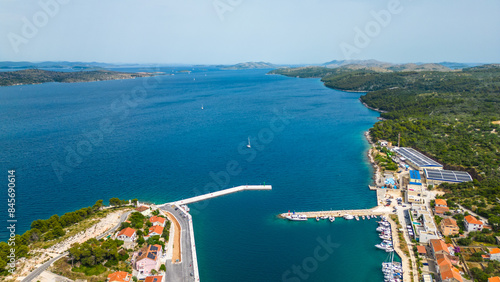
(149, 139)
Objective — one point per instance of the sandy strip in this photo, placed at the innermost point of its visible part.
(177, 238)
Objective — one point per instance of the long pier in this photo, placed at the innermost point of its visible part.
(221, 193)
(379, 210)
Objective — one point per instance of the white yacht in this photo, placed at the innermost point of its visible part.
(248, 145)
(296, 217)
(348, 216)
(332, 218)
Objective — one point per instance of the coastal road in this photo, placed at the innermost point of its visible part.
(46, 265)
(181, 271)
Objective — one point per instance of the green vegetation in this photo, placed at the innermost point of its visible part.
(36, 76)
(384, 160)
(451, 116)
(93, 252)
(45, 232)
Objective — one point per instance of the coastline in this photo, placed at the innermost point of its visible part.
(376, 173)
(371, 108)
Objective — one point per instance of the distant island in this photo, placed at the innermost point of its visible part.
(37, 76)
(248, 65)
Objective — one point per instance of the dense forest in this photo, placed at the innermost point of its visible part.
(451, 116)
(36, 76)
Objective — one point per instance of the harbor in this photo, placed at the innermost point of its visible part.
(186, 265)
(375, 211)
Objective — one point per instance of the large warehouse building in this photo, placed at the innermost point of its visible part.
(416, 159)
(435, 177)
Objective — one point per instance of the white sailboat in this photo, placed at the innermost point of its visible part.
(248, 145)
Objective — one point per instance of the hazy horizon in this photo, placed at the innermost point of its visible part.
(234, 31)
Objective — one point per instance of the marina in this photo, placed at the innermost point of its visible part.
(347, 214)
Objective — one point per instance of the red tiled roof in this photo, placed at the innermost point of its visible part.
(449, 222)
(472, 220)
(439, 245)
(153, 279)
(127, 232)
(119, 276)
(150, 252)
(494, 279)
(441, 202)
(441, 210)
(141, 208)
(157, 219)
(495, 251)
(157, 229)
(421, 250)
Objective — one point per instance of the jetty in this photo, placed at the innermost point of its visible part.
(220, 193)
(378, 210)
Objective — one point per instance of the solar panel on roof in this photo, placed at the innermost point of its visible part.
(448, 175)
(151, 256)
(154, 248)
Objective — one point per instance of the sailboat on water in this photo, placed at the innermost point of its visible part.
(248, 145)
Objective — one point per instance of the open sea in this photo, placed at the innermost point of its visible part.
(149, 138)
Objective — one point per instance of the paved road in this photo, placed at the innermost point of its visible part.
(181, 271)
(46, 265)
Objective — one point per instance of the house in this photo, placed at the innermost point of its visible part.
(421, 250)
(441, 210)
(154, 230)
(148, 259)
(448, 226)
(445, 268)
(441, 203)
(146, 211)
(495, 254)
(156, 220)
(154, 279)
(439, 247)
(127, 235)
(494, 279)
(472, 224)
(119, 276)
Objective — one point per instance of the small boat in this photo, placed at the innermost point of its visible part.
(324, 217)
(383, 246)
(368, 217)
(296, 217)
(332, 218)
(363, 217)
(356, 217)
(317, 218)
(202, 106)
(348, 216)
(248, 145)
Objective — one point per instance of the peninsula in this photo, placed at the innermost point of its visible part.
(37, 76)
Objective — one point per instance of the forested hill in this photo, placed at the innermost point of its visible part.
(36, 76)
(452, 116)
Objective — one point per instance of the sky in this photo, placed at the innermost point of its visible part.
(233, 31)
